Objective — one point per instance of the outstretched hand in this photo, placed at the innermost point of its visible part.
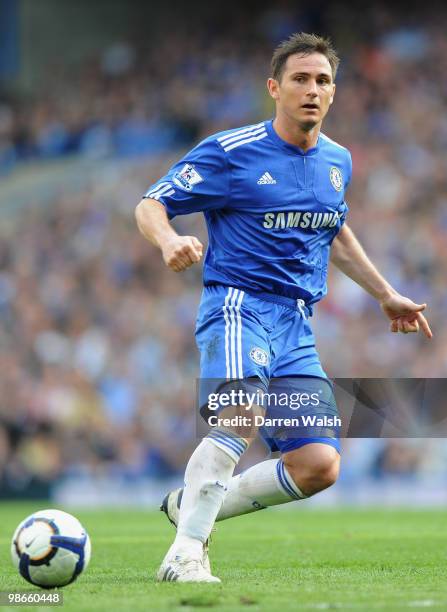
(405, 315)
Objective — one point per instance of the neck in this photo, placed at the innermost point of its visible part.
(290, 131)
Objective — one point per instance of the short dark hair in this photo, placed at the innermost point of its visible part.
(303, 44)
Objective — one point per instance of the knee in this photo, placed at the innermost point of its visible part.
(315, 471)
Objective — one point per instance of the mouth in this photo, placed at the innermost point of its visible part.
(311, 106)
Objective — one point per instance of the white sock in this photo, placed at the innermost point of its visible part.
(206, 478)
(265, 484)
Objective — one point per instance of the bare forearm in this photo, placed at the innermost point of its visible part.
(348, 255)
(179, 252)
(153, 222)
(405, 315)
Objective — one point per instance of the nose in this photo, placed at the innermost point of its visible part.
(312, 89)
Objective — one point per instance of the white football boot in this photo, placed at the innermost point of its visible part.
(171, 507)
(184, 568)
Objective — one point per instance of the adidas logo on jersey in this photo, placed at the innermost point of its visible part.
(266, 179)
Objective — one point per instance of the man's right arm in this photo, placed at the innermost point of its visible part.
(179, 252)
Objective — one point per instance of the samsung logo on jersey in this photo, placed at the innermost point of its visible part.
(282, 220)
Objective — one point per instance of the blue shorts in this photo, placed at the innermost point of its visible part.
(242, 335)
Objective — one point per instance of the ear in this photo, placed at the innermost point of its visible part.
(273, 88)
(333, 94)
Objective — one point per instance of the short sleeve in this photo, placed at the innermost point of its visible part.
(198, 182)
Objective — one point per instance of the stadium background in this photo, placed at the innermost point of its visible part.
(97, 355)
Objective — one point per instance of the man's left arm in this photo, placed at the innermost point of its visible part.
(348, 256)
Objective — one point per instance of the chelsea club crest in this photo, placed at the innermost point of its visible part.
(336, 178)
(259, 356)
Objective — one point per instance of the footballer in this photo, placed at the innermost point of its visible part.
(273, 196)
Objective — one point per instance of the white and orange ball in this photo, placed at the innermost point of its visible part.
(50, 548)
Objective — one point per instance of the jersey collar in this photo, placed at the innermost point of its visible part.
(286, 145)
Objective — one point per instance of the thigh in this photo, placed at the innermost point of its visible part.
(297, 365)
(294, 349)
(231, 337)
(234, 357)
(301, 410)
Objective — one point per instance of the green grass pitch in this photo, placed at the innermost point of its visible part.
(292, 559)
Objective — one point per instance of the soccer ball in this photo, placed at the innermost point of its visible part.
(50, 548)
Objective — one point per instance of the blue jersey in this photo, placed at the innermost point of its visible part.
(271, 209)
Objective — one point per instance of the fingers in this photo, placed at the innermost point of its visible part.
(394, 326)
(410, 326)
(185, 252)
(180, 261)
(410, 308)
(424, 324)
(402, 326)
(419, 307)
(413, 326)
(405, 325)
(198, 246)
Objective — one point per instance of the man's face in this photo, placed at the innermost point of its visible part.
(306, 89)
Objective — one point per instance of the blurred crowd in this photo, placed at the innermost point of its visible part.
(97, 353)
